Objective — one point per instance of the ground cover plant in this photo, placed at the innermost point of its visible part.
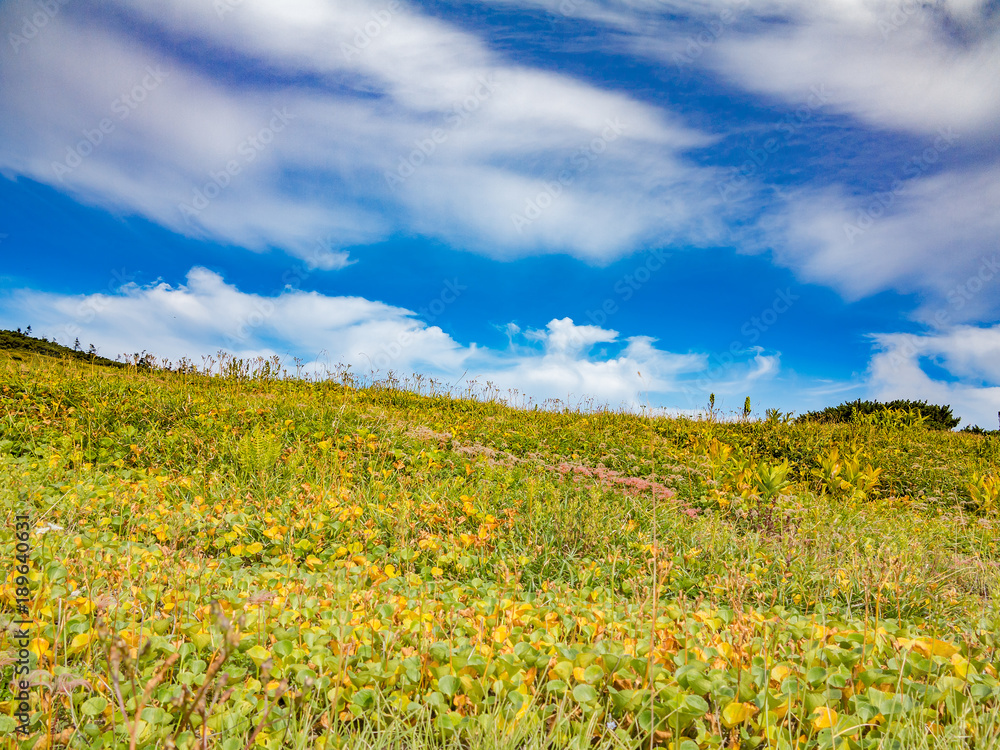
(251, 560)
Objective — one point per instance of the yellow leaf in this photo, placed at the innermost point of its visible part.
(825, 718)
(500, 634)
(80, 642)
(780, 672)
(930, 646)
(736, 713)
(961, 665)
(255, 548)
(390, 570)
(943, 648)
(578, 674)
(780, 710)
(38, 647)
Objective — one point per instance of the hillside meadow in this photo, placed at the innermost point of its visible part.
(251, 560)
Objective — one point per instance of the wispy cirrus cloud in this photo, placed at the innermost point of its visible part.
(362, 88)
(920, 74)
(926, 235)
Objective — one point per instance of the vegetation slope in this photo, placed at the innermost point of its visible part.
(260, 561)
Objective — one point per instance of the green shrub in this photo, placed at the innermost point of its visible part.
(937, 417)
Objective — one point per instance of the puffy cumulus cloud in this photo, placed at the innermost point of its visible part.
(566, 369)
(350, 120)
(565, 338)
(205, 314)
(576, 364)
(969, 355)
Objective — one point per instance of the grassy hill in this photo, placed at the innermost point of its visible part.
(17, 344)
(250, 561)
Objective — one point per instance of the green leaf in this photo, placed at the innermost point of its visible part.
(584, 694)
(259, 654)
(837, 681)
(94, 706)
(700, 685)
(696, 704)
(816, 675)
(155, 715)
(556, 686)
(436, 700)
(644, 719)
(364, 699)
(449, 685)
(564, 670)
(593, 673)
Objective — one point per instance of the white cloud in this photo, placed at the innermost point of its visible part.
(389, 91)
(206, 314)
(935, 235)
(930, 71)
(897, 64)
(971, 355)
(371, 88)
(565, 361)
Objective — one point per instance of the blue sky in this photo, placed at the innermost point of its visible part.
(622, 202)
